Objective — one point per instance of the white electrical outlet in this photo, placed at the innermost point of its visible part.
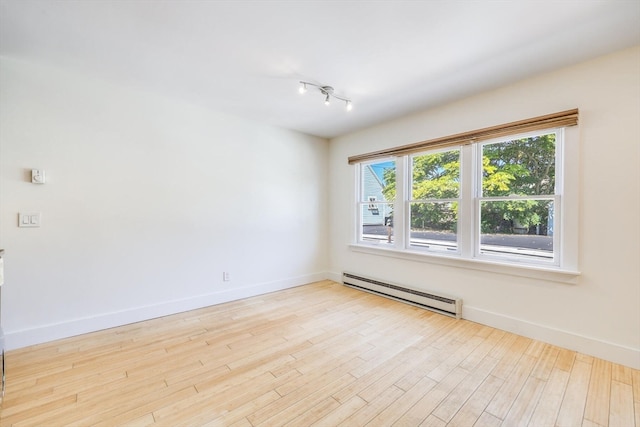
(225, 276)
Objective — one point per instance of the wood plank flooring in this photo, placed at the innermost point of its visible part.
(317, 355)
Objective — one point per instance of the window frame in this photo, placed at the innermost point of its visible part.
(409, 200)
(556, 197)
(363, 203)
(563, 267)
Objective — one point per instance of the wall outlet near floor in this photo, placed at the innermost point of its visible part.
(225, 276)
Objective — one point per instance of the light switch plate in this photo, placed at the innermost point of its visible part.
(31, 219)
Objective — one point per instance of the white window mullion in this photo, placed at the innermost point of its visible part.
(357, 232)
(467, 217)
(400, 206)
(557, 232)
(558, 221)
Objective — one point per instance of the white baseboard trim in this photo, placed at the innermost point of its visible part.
(587, 345)
(52, 332)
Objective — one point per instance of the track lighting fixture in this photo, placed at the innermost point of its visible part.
(327, 91)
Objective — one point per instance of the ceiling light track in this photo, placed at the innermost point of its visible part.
(327, 92)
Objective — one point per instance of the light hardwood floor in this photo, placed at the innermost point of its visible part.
(321, 355)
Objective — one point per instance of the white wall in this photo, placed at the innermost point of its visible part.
(600, 313)
(148, 201)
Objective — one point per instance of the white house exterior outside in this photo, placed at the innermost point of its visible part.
(372, 191)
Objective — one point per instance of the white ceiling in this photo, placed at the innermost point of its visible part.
(247, 57)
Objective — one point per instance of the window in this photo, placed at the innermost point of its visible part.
(376, 201)
(516, 198)
(434, 200)
(497, 200)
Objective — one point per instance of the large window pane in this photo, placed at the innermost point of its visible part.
(434, 225)
(435, 189)
(521, 167)
(382, 231)
(378, 192)
(436, 176)
(517, 227)
(378, 182)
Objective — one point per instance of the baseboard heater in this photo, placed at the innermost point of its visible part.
(446, 305)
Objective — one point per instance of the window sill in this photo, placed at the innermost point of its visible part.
(530, 271)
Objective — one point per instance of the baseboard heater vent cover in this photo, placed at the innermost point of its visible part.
(442, 304)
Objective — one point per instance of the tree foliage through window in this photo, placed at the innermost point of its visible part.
(521, 167)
